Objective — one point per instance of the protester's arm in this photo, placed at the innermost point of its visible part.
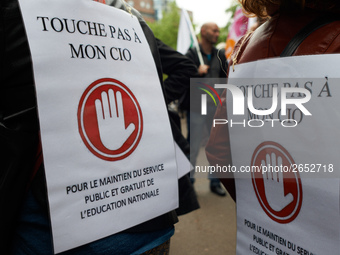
(179, 69)
(201, 69)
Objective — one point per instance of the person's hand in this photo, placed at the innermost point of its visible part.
(111, 121)
(203, 69)
(273, 184)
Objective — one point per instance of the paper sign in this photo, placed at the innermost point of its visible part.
(285, 154)
(108, 148)
(183, 163)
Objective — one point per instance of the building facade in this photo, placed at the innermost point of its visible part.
(160, 6)
(145, 7)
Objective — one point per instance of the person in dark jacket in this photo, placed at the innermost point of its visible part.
(214, 66)
(179, 69)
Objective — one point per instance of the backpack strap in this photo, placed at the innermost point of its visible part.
(306, 31)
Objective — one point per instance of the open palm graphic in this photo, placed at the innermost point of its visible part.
(111, 121)
(274, 185)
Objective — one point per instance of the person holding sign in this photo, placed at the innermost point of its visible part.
(27, 227)
(286, 19)
(210, 63)
(273, 198)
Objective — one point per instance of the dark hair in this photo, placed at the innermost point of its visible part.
(260, 7)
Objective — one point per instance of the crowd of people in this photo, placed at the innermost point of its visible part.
(25, 227)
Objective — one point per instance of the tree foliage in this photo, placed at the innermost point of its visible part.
(166, 29)
(225, 30)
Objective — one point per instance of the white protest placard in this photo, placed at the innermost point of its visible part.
(284, 147)
(108, 148)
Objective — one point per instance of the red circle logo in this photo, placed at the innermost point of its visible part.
(277, 187)
(110, 120)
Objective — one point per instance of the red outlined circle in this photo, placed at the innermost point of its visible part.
(88, 123)
(291, 181)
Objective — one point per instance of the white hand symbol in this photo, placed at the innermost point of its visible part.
(111, 122)
(273, 184)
